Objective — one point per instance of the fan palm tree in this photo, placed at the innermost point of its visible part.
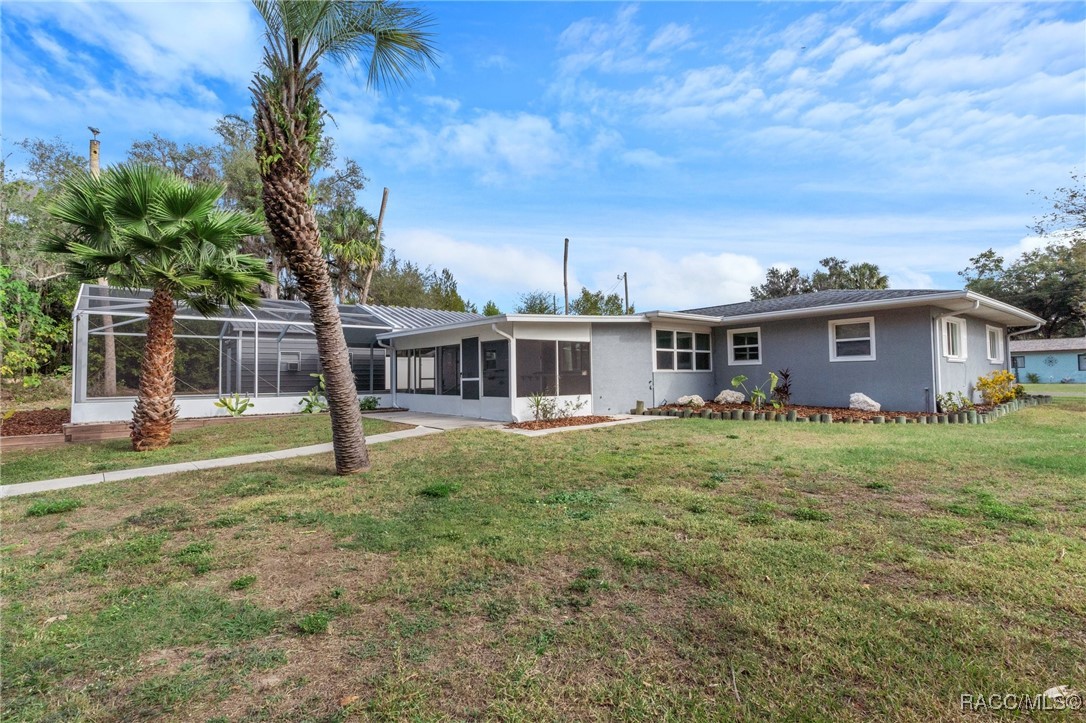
(390, 40)
(349, 239)
(142, 227)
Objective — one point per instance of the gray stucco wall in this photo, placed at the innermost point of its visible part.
(961, 376)
(900, 377)
(621, 367)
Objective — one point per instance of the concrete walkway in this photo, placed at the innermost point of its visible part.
(424, 424)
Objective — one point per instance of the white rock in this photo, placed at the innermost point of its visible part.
(864, 402)
(692, 400)
(730, 396)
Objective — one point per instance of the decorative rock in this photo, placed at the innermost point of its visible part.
(863, 402)
(691, 400)
(730, 396)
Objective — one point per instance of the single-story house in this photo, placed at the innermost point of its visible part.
(1052, 360)
(899, 347)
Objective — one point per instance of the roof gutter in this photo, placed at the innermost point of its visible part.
(1035, 327)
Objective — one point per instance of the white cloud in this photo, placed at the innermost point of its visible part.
(660, 281)
(483, 269)
(672, 36)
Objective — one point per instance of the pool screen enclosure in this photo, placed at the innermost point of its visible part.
(261, 352)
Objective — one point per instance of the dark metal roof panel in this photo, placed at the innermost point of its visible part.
(812, 300)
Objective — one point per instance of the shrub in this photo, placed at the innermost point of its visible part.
(783, 391)
(368, 404)
(997, 387)
(1033, 378)
(952, 402)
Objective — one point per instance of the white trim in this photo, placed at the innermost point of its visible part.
(732, 361)
(832, 327)
(694, 351)
(963, 348)
(1000, 354)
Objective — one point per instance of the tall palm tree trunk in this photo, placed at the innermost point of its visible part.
(152, 419)
(294, 226)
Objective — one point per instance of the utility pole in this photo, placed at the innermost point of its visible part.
(626, 289)
(565, 275)
(109, 343)
(376, 249)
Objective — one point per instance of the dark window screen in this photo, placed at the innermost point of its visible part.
(536, 368)
(450, 369)
(496, 368)
(574, 368)
(469, 364)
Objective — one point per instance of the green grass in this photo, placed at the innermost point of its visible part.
(244, 437)
(53, 507)
(831, 572)
(1063, 390)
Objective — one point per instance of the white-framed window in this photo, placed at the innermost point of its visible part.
(995, 344)
(745, 346)
(290, 361)
(683, 351)
(954, 339)
(852, 339)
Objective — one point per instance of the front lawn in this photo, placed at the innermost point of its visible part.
(1061, 390)
(246, 436)
(680, 570)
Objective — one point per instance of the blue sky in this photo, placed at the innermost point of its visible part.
(691, 145)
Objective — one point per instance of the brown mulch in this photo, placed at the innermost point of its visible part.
(840, 414)
(35, 421)
(556, 423)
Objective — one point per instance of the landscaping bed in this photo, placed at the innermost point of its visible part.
(557, 423)
(35, 421)
(839, 414)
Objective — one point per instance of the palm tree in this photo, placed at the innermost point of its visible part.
(349, 239)
(390, 40)
(140, 226)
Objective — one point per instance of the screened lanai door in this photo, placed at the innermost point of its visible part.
(470, 405)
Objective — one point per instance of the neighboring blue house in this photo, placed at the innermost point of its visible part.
(1052, 360)
(900, 347)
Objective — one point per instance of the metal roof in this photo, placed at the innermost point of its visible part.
(813, 300)
(1073, 344)
(98, 299)
(407, 317)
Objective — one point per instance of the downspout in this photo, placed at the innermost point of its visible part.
(392, 368)
(512, 369)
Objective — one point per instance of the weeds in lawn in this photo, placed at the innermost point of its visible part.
(40, 508)
(314, 623)
(243, 583)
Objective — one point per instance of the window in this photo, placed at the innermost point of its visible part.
(995, 344)
(548, 367)
(954, 339)
(450, 370)
(469, 372)
(852, 339)
(1019, 362)
(536, 368)
(574, 368)
(1082, 362)
(683, 351)
(744, 346)
(496, 368)
(290, 361)
(416, 370)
